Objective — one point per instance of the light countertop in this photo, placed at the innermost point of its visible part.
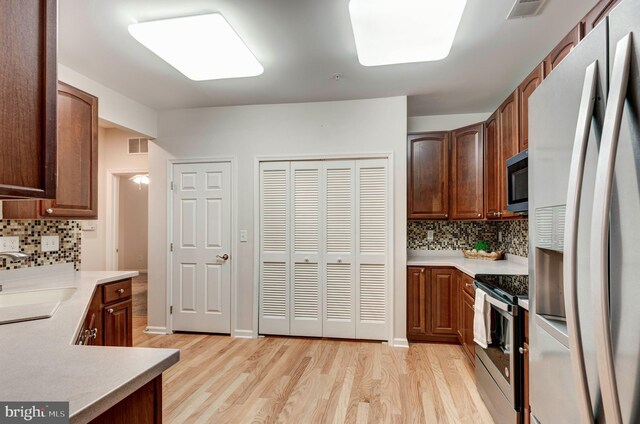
(512, 265)
(40, 362)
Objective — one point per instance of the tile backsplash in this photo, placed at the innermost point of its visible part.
(456, 235)
(30, 232)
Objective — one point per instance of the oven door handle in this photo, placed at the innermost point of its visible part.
(504, 306)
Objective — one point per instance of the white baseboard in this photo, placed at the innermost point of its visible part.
(244, 334)
(156, 330)
(400, 343)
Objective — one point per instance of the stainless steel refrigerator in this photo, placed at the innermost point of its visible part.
(584, 214)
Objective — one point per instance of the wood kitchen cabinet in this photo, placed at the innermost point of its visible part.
(467, 294)
(417, 298)
(444, 302)
(563, 48)
(144, 406)
(492, 172)
(432, 307)
(28, 75)
(508, 134)
(597, 15)
(467, 172)
(525, 90)
(428, 176)
(77, 153)
(109, 319)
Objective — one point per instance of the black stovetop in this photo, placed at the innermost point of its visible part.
(513, 286)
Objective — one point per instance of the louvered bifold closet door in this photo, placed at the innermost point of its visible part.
(307, 236)
(371, 249)
(275, 252)
(339, 249)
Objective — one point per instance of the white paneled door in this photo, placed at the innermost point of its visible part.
(324, 248)
(201, 238)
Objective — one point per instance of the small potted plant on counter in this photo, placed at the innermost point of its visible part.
(482, 250)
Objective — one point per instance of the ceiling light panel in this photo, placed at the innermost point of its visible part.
(203, 47)
(404, 31)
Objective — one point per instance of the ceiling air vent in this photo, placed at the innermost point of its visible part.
(525, 8)
(138, 146)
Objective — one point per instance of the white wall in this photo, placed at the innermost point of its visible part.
(444, 122)
(245, 132)
(113, 106)
(133, 217)
(112, 155)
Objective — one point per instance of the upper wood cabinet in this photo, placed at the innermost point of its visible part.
(597, 14)
(28, 68)
(467, 172)
(492, 174)
(508, 135)
(525, 90)
(77, 192)
(428, 176)
(563, 48)
(77, 195)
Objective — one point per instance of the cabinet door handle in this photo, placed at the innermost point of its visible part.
(468, 285)
(523, 350)
(446, 215)
(110, 310)
(49, 211)
(479, 215)
(422, 270)
(120, 291)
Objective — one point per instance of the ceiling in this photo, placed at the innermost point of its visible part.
(301, 44)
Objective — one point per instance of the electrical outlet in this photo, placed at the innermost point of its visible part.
(244, 236)
(500, 236)
(430, 235)
(50, 243)
(9, 244)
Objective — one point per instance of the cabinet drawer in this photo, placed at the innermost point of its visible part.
(467, 285)
(114, 292)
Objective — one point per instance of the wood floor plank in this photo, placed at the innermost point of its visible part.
(295, 380)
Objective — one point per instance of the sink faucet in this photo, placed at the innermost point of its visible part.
(14, 256)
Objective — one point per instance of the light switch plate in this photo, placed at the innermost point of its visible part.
(430, 235)
(50, 243)
(9, 244)
(244, 236)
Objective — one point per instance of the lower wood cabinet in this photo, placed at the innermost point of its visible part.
(467, 295)
(109, 319)
(432, 306)
(144, 406)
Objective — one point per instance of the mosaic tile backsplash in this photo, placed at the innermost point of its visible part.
(456, 235)
(30, 232)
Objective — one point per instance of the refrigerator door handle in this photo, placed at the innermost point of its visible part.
(600, 230)
(576, 173)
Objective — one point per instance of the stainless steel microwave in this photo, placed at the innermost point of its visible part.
(518, 182)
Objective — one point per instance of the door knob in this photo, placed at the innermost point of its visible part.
(223, 257)
(523, 350)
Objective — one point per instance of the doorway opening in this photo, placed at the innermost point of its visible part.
(132, 196)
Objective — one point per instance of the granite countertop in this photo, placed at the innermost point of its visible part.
(512, 265)
(40, 362)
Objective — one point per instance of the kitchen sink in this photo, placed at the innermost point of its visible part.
(32, 305)
(36, 296)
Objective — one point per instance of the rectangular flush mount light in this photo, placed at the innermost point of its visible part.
(404, 31)
(203, 47)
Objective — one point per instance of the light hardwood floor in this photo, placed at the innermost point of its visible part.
(296, 380)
